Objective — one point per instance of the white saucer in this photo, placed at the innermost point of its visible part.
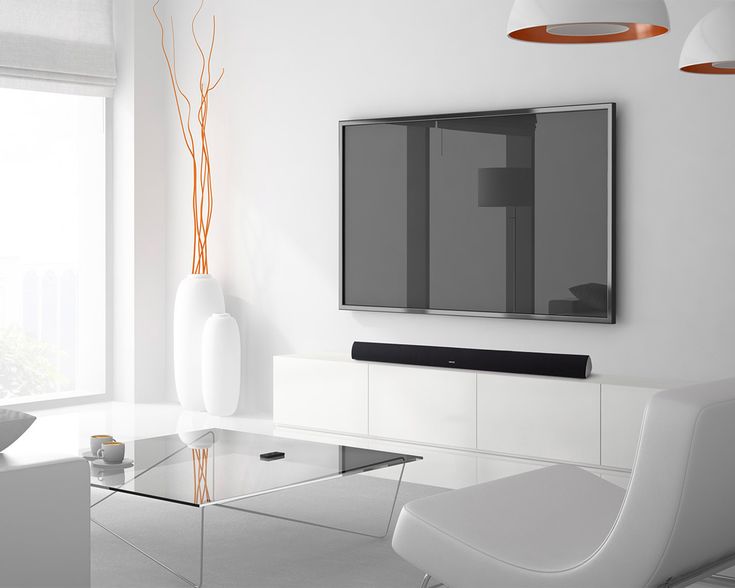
(100, 463)
(88, 456)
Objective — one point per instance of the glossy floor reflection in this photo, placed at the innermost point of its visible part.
(249, 550)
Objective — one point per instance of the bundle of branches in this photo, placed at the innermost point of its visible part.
(202, 200)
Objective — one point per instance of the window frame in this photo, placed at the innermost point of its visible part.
(76, 397)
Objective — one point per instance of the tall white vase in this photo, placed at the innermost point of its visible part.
(197, 298)
(221, 365)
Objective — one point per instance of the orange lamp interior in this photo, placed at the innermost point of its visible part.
(635, 31)
(708, 68)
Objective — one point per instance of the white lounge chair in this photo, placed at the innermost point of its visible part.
(564, 527)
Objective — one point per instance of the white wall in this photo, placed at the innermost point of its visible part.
(294, 68)
(138, 248)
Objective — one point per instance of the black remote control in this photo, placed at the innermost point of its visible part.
(272, 455)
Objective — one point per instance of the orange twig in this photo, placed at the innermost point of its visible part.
(202, 201)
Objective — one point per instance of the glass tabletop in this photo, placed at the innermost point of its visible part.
(216, 466)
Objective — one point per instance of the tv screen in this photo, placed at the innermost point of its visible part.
(501, 214)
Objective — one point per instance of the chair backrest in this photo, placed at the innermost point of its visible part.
(679, 511)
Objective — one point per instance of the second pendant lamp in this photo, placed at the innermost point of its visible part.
(587, 21)
(710, 47)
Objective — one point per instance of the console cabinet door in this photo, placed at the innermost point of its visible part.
(321, 394)
(424, 405)
(549, 418)
(622, 417)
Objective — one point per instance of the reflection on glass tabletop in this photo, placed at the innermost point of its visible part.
(215, 466)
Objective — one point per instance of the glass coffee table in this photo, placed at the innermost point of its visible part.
(215, 468)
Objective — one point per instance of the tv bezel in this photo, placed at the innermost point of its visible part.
(609, 318)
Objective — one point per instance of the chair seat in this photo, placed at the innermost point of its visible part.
(544, 521)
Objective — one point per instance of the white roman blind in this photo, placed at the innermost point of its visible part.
(57, 46)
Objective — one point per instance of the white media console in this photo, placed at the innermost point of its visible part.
(463, 418)
(592, 422)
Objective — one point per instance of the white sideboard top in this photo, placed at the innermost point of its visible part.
(603, 379)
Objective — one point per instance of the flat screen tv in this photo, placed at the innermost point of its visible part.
(499, 214)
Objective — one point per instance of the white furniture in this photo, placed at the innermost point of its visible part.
(412, 405)
(592, 422)
(321, 392)
(13, 424)
(237, 471)
(564, 527)
(555, 417)
(221, 364)
(44, 522)
(198, 297)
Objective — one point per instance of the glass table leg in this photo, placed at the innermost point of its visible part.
(323, 526)
(198, 584)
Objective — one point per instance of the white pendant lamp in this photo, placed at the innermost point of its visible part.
(710, 47)
(587, 21)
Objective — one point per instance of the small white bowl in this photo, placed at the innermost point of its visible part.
(13, 424)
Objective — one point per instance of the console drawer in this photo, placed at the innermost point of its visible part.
(539, 417)
(320, 394)
(424, 405)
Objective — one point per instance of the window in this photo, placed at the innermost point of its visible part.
(52, 245)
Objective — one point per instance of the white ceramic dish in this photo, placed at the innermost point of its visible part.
(13, 424)
(100, 463)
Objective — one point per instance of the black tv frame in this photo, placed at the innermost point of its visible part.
(610, 107)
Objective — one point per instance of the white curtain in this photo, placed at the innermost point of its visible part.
(57, 46)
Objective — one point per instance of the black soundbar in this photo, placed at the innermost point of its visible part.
(514, 362)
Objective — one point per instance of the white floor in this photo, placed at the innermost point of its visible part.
(255, 551)
(318, 557)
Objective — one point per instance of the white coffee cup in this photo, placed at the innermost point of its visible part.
(112, 451)
(96, 441)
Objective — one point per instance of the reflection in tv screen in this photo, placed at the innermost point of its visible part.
(494, 213)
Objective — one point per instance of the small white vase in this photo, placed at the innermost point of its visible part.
(197, 298)
(221, 364)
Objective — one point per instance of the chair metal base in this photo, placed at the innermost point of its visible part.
(715, 580)
(426, 580)
(707, 573)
